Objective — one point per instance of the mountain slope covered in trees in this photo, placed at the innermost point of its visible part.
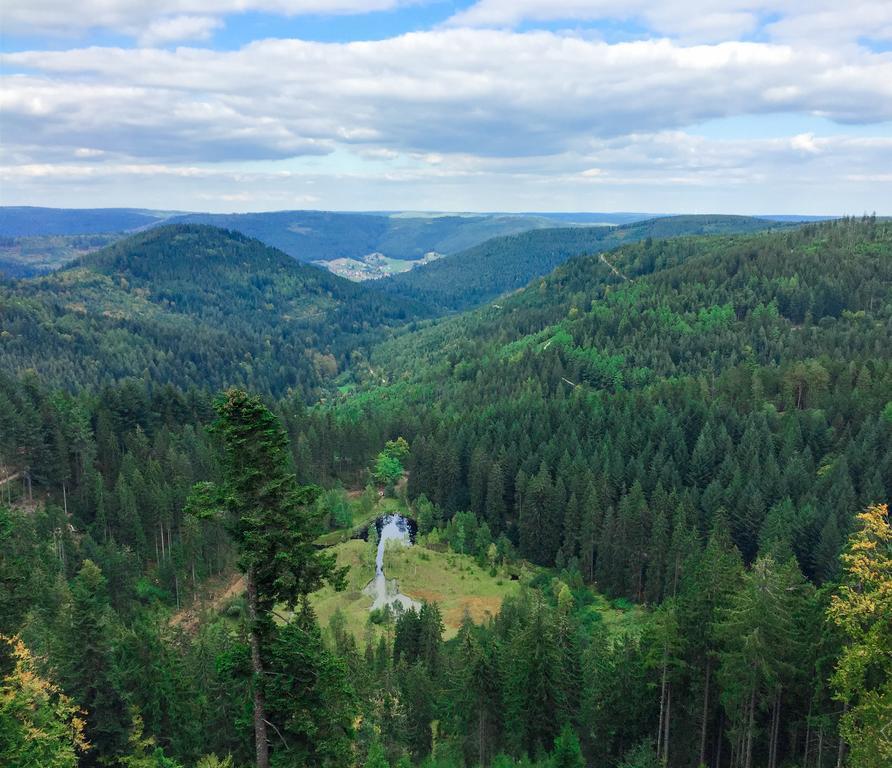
(27, 221)
(325, 235)
(503, 264)
(698, 427)
(192, 306)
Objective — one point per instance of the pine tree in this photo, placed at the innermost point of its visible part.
(273, 523)
(495, 498)
(87, 674)
(567, 753)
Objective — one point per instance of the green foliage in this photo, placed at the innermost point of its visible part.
(39, 725)
(567, 752)
(143, 751)
(154, 304)
(679, 445)
(387, 469)
(862, 608)
(270, 516)
(503, 264)
(641, 756)
(376, 757)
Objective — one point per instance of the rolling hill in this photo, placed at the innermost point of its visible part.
(769, 351)
(193, 306)
(28, 221)
(326, 236)
(503, 264)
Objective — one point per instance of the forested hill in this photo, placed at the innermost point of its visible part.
(668, 446)
(326, 235)
(502, 264)
(191, 305)
(27, 221)
(745, 374)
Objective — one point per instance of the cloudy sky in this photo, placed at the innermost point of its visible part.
(747, 106)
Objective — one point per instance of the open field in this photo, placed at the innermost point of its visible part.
(453, 581)
(355, 605)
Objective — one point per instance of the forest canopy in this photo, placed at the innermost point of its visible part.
(678, 452)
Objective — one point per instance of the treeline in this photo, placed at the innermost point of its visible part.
(596, 420)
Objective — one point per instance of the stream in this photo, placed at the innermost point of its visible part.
(386, 592)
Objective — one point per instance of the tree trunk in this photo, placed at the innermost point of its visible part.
(260, 736)
(775, 729)
(705, 712)
(662, 708)
(481, 737)
(666, 725)
(807, 733)
(750, 727)
(841, 750)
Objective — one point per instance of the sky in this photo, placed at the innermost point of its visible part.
(670, 106)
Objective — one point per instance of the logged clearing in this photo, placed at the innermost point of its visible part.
(453, 581)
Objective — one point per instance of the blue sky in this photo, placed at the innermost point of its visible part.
(748, 106)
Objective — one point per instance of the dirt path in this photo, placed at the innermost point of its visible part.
(10, 478)
(189, 618)
(612, 268)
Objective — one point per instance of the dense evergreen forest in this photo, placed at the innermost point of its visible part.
(697, 426)
(502, 264)
(192, 306)
(324, 235)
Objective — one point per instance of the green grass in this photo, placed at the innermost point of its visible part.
(453, 581)
(353, 604)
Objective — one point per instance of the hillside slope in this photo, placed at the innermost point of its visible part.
(481, 273)
(193, 306)
(326, 236)
(747, 377)
(28, 221)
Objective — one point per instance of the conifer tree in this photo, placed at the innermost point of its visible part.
(273, 523)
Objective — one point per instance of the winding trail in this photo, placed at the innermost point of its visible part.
(612, 268)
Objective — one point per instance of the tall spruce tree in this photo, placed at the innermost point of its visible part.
(273, 524)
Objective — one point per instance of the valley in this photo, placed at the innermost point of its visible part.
(599, 485)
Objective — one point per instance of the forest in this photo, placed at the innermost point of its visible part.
(501, 264)
(674, 448)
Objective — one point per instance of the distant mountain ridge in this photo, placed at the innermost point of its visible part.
(326, 235)
(30, 221)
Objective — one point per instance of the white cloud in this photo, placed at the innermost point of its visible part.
(178, 28)
(704, 21)
(668, 171)
(132, 17)
(457, 117)
(508, 95)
